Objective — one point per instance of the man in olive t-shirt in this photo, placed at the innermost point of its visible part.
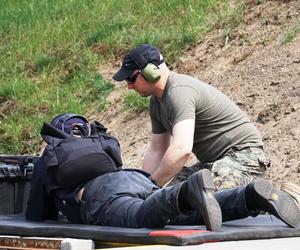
(188, 116)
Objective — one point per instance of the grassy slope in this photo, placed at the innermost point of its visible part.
(49, 51)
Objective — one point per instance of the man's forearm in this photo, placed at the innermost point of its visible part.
(177, 153)
(170, 165)
(158, 147)
(151, 161)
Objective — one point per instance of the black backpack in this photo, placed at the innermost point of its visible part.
(71, 160)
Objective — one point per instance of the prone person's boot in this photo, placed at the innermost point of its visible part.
(200, 196)
(293, 190)
(261, 196)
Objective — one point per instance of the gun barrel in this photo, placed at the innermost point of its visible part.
(17, 159)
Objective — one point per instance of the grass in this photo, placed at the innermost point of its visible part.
(50, 50)
(133, 101)
(290, 34)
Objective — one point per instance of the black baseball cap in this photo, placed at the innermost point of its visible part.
(138, 58)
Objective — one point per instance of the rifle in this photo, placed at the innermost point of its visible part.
(17, 166)
(20, 160)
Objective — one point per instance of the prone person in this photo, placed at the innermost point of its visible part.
(129, 198)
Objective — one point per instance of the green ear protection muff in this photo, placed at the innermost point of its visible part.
(148, 70)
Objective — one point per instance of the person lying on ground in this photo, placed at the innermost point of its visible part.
(129, 198)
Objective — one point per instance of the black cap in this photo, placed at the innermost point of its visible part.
(138, 58)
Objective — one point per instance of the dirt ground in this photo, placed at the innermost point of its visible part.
(254, 67)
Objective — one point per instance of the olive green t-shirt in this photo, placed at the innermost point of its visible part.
(219, 123)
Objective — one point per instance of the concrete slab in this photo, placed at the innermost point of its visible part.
(76, 244)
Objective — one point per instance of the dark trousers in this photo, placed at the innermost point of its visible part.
(130, 199)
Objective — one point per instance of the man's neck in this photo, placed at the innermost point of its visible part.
(161, 84)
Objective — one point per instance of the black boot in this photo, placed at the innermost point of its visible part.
(200, 196)
(260, 195)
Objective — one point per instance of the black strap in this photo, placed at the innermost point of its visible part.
(79, 130)
(97, 127)
(48, 132)
(139, 59)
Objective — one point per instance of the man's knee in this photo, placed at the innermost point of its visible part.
(227, 177)
(239, 167)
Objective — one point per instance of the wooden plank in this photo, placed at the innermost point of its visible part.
(26, 243)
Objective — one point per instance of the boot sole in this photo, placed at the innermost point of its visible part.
(282, 204)
(211, 212)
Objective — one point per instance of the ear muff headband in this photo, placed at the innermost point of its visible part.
(139, 59)
(148, 70)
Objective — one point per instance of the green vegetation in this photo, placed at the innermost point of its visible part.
(133, 101)
(290, 34)
(50, 50)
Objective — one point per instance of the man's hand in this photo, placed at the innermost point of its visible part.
(153, 181)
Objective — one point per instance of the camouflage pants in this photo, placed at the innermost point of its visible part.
(235, 168)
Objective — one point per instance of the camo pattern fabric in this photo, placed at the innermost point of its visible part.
(235, 168)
